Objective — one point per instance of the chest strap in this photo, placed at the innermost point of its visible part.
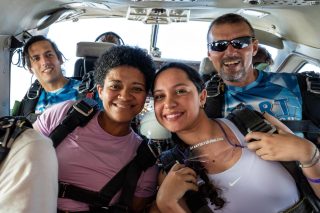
(79, 115)
(126, 179)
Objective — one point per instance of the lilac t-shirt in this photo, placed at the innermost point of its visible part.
(89, 157)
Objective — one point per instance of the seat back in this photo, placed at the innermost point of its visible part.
(206, 69)
(89, 52)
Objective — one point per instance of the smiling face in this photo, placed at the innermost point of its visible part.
(44, 63)
(176, 100)
(123, 93)
(234, 65)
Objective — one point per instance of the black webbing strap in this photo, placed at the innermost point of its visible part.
(248, 120)
(215, 97)
(126, 179)
(303, 185)
(79, 114)
(93, 198)
(143, 160)
(301, 126)
(30, 100)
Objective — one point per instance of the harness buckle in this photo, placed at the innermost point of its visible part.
(313, 85)
(63, 189)
(262, 126)
(34, 91)
(83, 108)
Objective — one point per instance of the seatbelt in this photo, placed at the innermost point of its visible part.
(10, 128)
(79, 114)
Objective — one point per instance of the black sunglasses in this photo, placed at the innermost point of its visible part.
(238, 43)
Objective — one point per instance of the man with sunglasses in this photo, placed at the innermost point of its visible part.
(289, 97)
(231, 48)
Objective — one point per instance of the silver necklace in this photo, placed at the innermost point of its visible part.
(212, 140)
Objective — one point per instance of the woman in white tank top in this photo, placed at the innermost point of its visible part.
(246, 177)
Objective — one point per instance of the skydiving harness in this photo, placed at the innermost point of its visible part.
(309, 84)
(29, 102)
(10, 128)
(248, 120)
(79, 115)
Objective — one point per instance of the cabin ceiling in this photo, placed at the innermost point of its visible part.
(292, 20)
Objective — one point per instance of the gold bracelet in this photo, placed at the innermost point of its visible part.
(314, 160)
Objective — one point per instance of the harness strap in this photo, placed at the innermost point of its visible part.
(301, 126)
(29, 102)
(215, 97)
(144, 159)
(94, 198)
(79, 115)
(10, 128)
(126, 178)
(249, 120)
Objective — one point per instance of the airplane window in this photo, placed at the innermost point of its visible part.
(175, 41)
(309, 67)
(186, 41)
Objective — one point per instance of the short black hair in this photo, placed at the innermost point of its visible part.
(229, 18)
(26, 57)
(192, 74)
(125, 55)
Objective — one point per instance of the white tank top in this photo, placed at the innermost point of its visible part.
(253, 185)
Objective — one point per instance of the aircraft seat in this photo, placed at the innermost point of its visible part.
(89, 52)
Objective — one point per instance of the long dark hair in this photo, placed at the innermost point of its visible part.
(207, 189)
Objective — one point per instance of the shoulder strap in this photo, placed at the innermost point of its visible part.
(253, 121)
(79, 114)
(30, 100)
(10, 128)
(215, 97)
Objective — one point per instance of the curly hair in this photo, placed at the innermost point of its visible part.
(26, 57)
(125, 55)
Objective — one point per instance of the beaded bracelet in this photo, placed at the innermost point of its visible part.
(313, 180)
(314, 160)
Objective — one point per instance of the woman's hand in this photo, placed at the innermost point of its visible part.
(178, 181)
(283, 146)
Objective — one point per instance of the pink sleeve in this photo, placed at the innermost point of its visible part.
(51, 118)
(147, 183)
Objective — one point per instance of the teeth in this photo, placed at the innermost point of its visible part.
(171, 116)
(123, 106)
(231, 62)
(47, 70)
